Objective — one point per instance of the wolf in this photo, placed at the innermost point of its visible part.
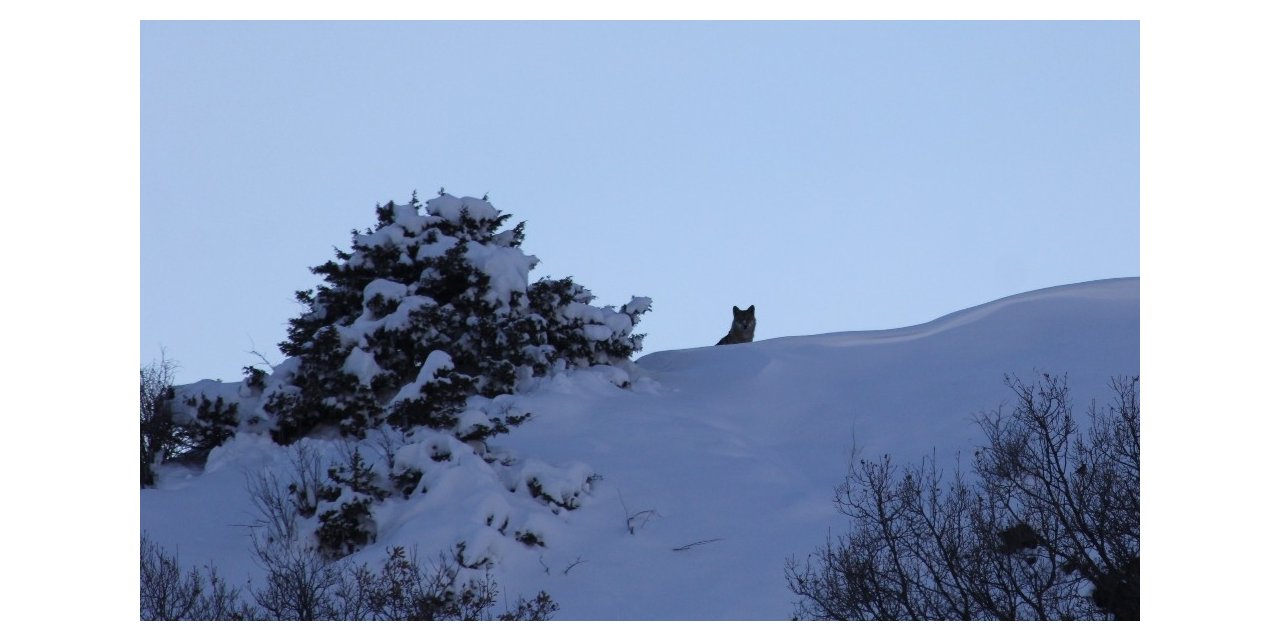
(743, 328)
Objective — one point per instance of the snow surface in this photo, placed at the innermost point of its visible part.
(726, 456)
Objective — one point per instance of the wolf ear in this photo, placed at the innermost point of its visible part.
(736, 309)
(751, 309)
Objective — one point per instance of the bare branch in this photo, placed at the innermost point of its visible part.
(636, 521)
(573, 564)
(695, 544)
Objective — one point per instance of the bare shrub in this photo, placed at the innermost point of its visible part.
(168, 593)
(299, 583)
(280, 505)
(157, 432)
(405, 589)
(1049, 530)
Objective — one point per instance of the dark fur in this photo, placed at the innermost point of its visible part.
(743, 328)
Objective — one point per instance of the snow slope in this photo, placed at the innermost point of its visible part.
(733, 451)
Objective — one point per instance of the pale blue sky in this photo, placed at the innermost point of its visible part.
(837, 175)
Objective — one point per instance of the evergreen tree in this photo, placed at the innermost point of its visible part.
(430, 316)
(346, 523)
(427, 322)
(173, 432)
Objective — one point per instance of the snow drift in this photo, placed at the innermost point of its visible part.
(716, 464)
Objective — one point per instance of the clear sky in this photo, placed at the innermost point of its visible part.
(838, 175)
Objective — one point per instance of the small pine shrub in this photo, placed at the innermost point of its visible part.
(406, 481)
(345, 511)
(214, 422)
(255, 378)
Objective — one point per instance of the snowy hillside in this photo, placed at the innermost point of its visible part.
(727, 456)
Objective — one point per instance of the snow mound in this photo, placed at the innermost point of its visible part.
(681, 496)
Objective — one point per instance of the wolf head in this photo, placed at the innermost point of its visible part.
(743, 328)
(744, 320)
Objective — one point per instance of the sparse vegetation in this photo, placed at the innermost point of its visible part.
(170, 593)
(1048, 531)
(157, 432)
(301, 585)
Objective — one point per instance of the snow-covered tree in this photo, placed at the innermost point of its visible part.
(425, 327)
(429, 320)
(178, 434)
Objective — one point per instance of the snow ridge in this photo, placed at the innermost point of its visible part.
(731, 453)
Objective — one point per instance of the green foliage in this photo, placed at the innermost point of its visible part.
(438, 401)
(568, 502)
(213, 423)
(357, 476)
(255, 378)
(426, 321)
(347, 528)
(406, 481)
(323, 394)
(346, 519)
(169, 435)
(548, 300)
(414, 286)
(529, 539)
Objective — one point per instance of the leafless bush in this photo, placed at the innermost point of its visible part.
(302, 585)
(167, 593)
(1048, 531)
(299, 584)
(636, 521)
(404, 589)
(157, 431)
(388, 441)
(1078, 490)
(280, 504)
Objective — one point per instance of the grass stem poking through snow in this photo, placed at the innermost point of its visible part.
(636, 520)
(694, 544)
